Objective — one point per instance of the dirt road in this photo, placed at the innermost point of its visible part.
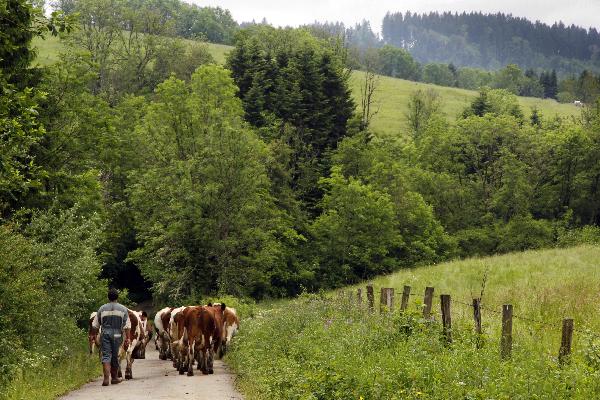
(154, 379)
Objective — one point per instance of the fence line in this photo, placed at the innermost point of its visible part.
(387, 304)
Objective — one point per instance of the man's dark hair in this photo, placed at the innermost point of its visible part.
(113, 294)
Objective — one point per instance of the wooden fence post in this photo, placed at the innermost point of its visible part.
(506, 340)
(359, 296)
(477, 315)
(477, 319)
(405, 298)
(566, 341)
(386, 299)
(446, 319)
(428, 300)
(390, 299)
(370, 296)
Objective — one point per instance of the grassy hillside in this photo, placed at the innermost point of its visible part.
(318, 347)
(49, 48)
(392, 96)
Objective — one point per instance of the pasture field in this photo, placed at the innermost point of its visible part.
(391, 97)
(324, 347)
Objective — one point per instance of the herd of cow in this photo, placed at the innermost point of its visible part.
(185, 335)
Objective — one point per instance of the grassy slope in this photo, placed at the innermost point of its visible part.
(541, 284)
(393, 94)
(392, 97)
(299, 346)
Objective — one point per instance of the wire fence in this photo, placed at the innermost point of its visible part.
(566, 325)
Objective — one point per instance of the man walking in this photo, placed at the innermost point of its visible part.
(113, 322)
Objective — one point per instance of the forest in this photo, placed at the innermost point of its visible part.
(137, 161)
(395, 58)
(492, 40)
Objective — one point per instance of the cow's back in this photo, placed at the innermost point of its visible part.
(161, 320)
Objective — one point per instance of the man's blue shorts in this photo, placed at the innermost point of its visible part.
(110, 343)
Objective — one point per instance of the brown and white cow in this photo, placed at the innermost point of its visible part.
(201, 336)
(163, 337)
(176, 325)
(146, 328)
(231, 324)
(136, 337)
(93, 336)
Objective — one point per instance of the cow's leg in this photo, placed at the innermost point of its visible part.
(182, 361)
(129, 359)
(202, 361)
(205, 355)
(190, 359)
(218, 348)
(210, 360)
(175, 355)
(222, 349)
(160, 346)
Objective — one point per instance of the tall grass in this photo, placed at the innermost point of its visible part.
(320, 347)
(53, 379)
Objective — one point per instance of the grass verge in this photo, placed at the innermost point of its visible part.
(49, 381)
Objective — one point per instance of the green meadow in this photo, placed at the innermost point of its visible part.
(392, 95)
(327, 347)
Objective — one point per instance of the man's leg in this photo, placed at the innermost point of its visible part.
(114, 367)
(106, 355)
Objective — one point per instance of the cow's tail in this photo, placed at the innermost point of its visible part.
(185, 337)
(174, 330)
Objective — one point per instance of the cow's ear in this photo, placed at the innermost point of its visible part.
(210, 304)
(222, 306)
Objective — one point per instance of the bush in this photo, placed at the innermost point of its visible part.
(49, 274)
(520, 233)
(577, 236)
(524, 233)
(21, 293)
(565, 97)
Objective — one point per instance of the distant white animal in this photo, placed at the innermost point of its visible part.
(578, 103)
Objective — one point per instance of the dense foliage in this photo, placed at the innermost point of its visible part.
(178, 18)
(203, 211)
(288, 79)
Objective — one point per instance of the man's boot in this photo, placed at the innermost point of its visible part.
(106, 371)
(114, 371)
